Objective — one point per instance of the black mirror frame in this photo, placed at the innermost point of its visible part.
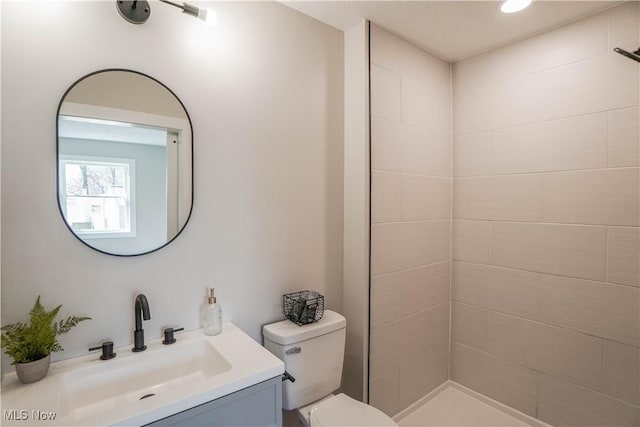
(57, 179)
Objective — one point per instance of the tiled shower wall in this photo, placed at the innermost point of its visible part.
(411, 219)
(545, 272)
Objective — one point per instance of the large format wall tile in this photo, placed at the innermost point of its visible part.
(397, 246)
(400, 148)
(624, 137)
(567, 144)
(424, 287)
(571, 43)
(440, 163)
(601, 83)
(384, 349)
(623, 255)
(474, 109)
(471, 241)
(406, 340)
(425, 198)
(472, 72)
(426, 105)
(500, 379)
(607, 197)
(406, 59)
(621, 377)
(506, 290)
(415, 340)
(386, 297)
(469, 325)
(386, 201)
(472, 154)
(511, 198)
(403, 293)
(424, 374)
(578, 251)
(601, 309)
(575, 357)
(384, 393)
(624, 22)
(512, 338)
(426, 366)
(521, 100)
(565, 354)
(385, 94)
(563, 404)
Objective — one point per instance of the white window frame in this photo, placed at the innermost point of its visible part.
(131, 183)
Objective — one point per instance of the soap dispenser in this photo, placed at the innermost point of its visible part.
(212, 315)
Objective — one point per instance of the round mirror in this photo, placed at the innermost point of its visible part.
(124, 161)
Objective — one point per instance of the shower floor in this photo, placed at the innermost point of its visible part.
(454, 405)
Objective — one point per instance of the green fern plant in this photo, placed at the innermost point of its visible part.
(30, 342)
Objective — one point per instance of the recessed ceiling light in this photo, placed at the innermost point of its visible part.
(512, 6)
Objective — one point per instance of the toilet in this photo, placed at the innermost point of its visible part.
(313, 354)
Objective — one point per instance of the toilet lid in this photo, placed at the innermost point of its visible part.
(341, 410)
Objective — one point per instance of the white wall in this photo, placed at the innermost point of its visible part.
(264, 92)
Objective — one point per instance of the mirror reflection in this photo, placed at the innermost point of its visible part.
(125, 156)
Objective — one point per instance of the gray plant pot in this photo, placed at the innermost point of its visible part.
(30, 372)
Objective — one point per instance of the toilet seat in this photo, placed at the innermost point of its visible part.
(342, 410)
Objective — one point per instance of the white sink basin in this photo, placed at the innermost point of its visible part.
(139, 388)
(107, 386)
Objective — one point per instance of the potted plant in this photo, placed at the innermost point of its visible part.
(30, 345)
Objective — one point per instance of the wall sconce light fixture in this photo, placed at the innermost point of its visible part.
(138, 11)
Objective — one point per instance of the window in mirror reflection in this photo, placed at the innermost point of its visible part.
(98, 183)
(97, 195)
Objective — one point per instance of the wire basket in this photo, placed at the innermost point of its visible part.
(303, 307)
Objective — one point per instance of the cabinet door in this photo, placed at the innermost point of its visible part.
(258, 405)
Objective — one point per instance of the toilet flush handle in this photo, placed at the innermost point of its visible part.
(294, 350)
(288, 376)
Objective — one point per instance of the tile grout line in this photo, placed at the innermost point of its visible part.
(516, 221)
(535, 173)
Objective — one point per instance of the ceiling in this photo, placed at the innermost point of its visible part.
(451, 30)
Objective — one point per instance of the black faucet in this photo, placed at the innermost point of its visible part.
(141, 310)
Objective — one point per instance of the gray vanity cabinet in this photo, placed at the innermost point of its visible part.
(258, 405)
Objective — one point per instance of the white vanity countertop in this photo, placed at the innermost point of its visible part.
(243, 363)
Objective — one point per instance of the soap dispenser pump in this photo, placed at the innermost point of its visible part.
(212, 315)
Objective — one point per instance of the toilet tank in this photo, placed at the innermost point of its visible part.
(313, 354)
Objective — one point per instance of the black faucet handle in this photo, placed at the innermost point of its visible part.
(168, 335)
(107, 350)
